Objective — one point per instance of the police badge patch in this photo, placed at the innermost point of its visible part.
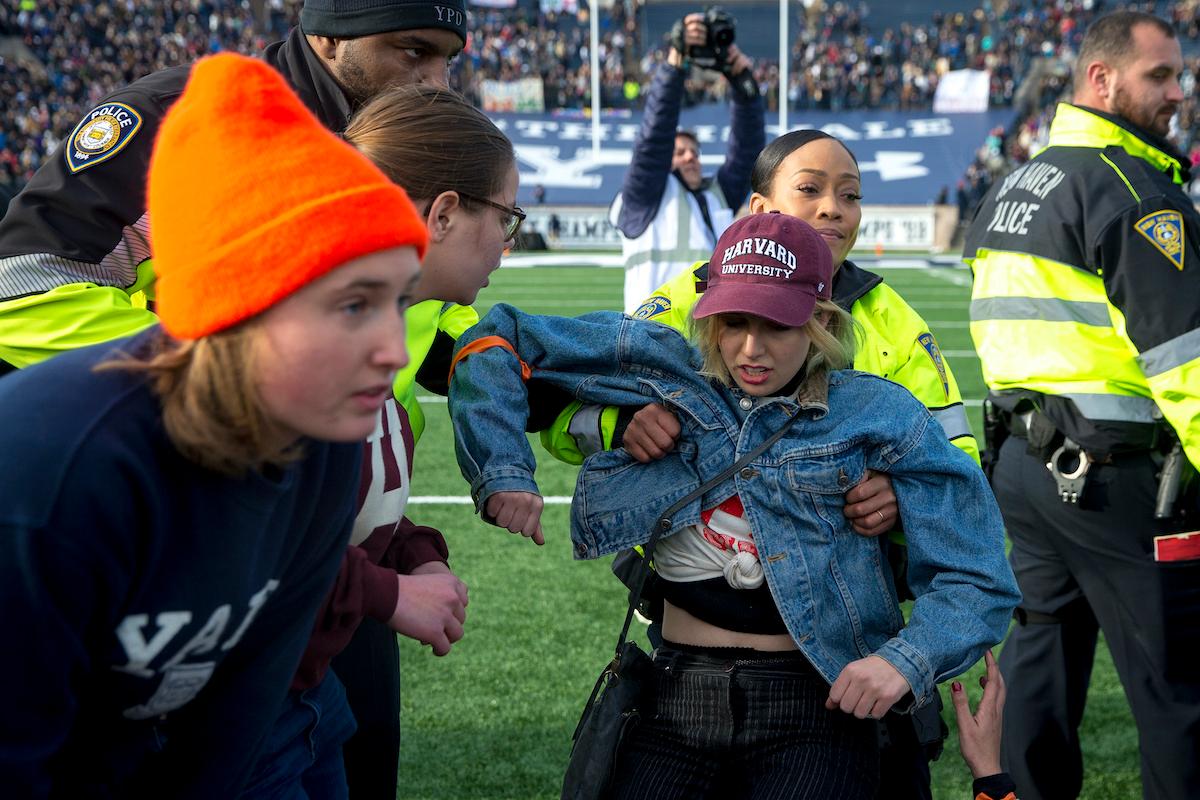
(103, 133)
(1164, 230)
(653, 307)
(929, 344)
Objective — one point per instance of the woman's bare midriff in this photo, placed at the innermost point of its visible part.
(681, 627)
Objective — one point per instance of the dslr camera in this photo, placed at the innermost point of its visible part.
(714, 53)
(721, 30)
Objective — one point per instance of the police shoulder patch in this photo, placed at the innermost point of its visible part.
(929, 345)
(653, 307)
(103, 132)
(1164, 230)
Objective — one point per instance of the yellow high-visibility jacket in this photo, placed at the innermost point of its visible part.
(1086, 297)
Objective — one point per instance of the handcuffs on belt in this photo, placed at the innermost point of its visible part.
(1069, 481)
(1068, 465)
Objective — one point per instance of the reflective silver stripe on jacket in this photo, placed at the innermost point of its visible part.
(1046, 309)
(585, 427)
(1171, 354)
(1115, 408)
(953, 420)
(35, 273)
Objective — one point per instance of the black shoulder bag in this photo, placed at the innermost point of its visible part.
(614, 706)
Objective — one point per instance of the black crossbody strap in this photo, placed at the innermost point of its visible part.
(665, 523)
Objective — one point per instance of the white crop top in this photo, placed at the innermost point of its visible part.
(722, 544)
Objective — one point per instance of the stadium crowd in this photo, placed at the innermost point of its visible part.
(512, 44)
(82, 51)
(78, 52)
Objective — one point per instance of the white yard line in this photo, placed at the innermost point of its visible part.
(958, 277)
(558, 304)
(960, 304)
(559, 258)
(433, 399)
(933, 291)
(562, 258)
(451, 500)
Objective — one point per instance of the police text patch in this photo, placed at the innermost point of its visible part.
(927, 341)
(653, 307)
(1164, 230)
(102, 133)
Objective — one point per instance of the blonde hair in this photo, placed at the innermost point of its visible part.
(211, 407)
(832, 345)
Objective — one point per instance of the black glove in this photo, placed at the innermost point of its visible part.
(676, 38)
(744, 85)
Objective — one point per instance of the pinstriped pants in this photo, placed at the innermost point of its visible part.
(751, 728)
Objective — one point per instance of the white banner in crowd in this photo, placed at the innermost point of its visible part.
(559, 6)
(962, 91)
(896, 228)
(587, 228)
(523, 96)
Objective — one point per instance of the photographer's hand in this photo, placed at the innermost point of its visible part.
(738, 61)
(694, 34)
(738, 69)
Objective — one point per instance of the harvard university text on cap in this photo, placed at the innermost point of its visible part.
(758, 245)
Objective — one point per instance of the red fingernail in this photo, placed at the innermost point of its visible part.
(956, 686)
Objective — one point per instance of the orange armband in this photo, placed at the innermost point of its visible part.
(487, 343)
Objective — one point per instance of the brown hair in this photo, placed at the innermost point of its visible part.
(832, 344)
(211, 408)
(430, 141)
(1110, 40)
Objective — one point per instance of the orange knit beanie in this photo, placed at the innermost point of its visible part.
(250, 198)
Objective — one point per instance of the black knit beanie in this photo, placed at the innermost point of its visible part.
(345, 19)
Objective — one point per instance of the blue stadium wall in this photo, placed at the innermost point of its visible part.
(906, 158)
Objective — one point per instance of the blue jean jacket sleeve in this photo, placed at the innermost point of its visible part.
(487, 394)
(588, 357)
(963, 583)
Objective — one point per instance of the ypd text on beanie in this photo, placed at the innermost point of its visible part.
(350, 18)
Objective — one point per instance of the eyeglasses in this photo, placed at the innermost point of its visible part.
(513, 217)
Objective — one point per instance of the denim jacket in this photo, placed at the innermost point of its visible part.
(833, 587)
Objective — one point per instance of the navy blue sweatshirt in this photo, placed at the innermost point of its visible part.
(153, 611)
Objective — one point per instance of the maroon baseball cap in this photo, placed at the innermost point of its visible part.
(770, 265)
